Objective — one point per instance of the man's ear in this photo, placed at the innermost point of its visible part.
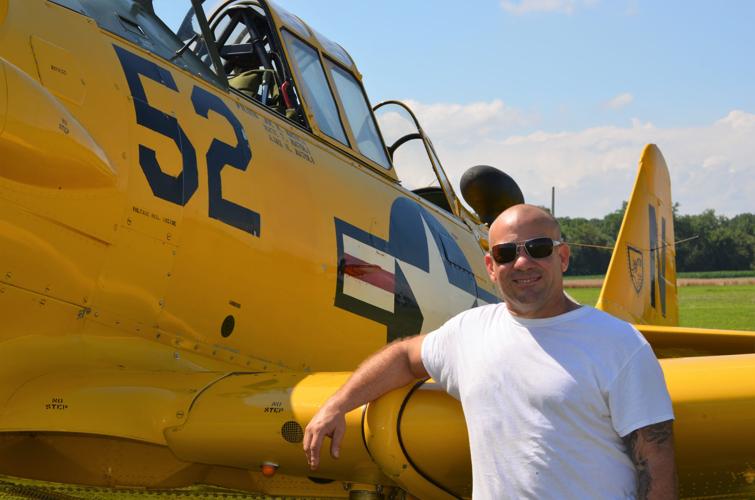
(490, 265)
(564, 253)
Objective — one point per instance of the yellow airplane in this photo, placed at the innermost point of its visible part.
(202, 232)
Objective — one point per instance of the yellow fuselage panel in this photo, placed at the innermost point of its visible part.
(281, 290)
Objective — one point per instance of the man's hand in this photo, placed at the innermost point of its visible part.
(394, 366)
(329, 422)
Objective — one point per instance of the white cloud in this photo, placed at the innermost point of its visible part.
(451, 126)
(593, 169)
(519, 7)
(738, 120)
(620, 101)
(464, 123)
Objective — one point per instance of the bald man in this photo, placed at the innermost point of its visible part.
(561, 400)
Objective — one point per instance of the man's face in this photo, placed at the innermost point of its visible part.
(531, 288)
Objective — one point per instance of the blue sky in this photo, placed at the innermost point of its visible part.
(566, 93)
(683, 62)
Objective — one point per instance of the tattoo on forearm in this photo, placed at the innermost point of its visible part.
(635, 442)
(657, 433)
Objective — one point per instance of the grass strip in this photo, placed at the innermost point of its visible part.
(730, 307)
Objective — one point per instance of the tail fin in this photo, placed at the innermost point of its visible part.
(640, 285)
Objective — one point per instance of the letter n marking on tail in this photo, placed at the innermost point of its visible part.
(653, 226)
(662, 267)
(657, 259)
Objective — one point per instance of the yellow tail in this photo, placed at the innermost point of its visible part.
(640, 285)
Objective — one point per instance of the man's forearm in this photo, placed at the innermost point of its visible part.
(392, 367)
(382, 372)
(651, 449)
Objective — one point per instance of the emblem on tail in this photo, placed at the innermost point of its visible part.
(636, 268)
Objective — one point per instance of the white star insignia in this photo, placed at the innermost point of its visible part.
(435, 295)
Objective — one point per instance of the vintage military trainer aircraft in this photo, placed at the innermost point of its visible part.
(202, 231)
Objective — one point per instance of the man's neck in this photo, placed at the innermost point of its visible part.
(564, 306)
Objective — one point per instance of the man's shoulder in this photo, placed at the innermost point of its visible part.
(480, 313)
(610, 326)
(601, 317)
(471, 319)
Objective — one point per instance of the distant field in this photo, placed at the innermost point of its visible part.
(587, 296)
(568, 277)
(717, 274)
(729, 307)
(688, 275)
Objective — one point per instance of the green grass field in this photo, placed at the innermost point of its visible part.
(729, 307)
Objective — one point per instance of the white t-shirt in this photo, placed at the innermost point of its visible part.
(547, 400)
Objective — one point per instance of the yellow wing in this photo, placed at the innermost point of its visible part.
(709, 372)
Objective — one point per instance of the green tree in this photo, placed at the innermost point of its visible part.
(611, 223)
(584, 259)
(720, 243)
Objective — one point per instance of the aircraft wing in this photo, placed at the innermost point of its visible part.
(714, 428)
(202, 422)
(679, 341)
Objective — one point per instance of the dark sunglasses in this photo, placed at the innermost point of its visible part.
(537, 248)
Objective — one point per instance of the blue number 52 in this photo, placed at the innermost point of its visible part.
(179, 189)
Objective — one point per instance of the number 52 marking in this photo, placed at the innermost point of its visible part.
(179, 189)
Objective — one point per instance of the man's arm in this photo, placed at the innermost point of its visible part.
(394, 366)
(651, 449)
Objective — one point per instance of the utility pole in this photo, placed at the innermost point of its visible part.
(553, 201)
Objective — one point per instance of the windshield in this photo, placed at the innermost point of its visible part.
(411, 160)
(359, 115)
(315, 87)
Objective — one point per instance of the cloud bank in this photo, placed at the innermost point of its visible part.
(593, 170)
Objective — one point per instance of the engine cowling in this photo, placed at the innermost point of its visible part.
(414, 437)
(418, 437)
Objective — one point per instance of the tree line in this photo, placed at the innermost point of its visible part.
(718, 243)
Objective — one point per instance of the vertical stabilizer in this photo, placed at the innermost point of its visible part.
(640, 285)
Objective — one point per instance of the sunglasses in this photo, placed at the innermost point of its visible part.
(537, 248)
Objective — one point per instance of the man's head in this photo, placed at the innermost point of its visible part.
(531, 287)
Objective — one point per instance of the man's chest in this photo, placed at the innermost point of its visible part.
(532, 379)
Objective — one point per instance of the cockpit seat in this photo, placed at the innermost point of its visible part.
(259, 84)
